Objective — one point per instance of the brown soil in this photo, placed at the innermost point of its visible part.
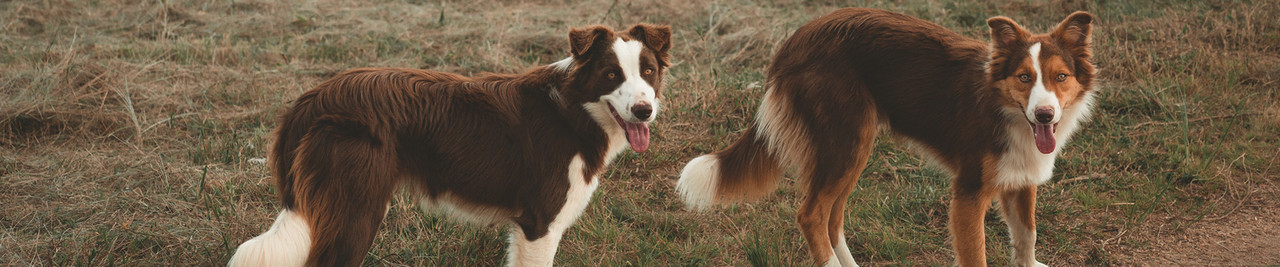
(1247, 236)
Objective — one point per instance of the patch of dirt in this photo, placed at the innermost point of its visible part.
(1249, 236)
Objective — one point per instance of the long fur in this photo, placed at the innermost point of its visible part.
(518, 149)
(285, 244)
(840, 77)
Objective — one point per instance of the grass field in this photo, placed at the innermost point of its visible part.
(127, 129)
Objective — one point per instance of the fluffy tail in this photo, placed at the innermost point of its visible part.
(746, 170)
(285, 244)
(288, 241)
(752, 166)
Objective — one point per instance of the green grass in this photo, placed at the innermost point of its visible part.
(126, 128)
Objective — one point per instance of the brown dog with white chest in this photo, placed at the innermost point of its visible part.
(994, 115)
(519, 149)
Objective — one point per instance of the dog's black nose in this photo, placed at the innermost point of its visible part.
(642, 111)
(1044, 114)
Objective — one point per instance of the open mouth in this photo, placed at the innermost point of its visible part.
(1045, 141)
(637, 133)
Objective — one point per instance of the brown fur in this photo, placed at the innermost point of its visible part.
(499, 141)
(842, 75)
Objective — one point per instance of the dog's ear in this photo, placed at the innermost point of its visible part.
(656, 37)
(1073, 33)
(584, 40)
(1007, 34)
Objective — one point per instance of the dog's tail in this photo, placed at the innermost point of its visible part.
(294, 125)
(752, 166)
(285, 244)
(288, 241)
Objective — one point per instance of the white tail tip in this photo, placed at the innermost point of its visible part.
(698, 182)
(285, 244)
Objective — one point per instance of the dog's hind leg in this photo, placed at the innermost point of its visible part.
(817, 212)
(842, 142)
(863, 144)
(346, 176)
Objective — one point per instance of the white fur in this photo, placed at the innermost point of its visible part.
(1024, 165)
(781, 130)
(832, 262)
(1040, 95)
(634, 89)
(563, 64)
(286, 243)
(542, 251)
(1022, 239)
(599, 112)
(698, 181)
(842, 251)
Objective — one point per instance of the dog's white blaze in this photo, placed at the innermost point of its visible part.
(634, 89)
(286, 243)
(1040, 95)
(542, 251)
(698, 182)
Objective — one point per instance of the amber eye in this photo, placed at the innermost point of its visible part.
(648, 71)
(1024, 78)
(612, 76)
(1062, 77)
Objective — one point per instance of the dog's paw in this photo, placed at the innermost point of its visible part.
(833, 262)
(1028, 263)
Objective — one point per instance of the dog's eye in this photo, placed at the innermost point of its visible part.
(1062, 77)
(612, 76)
(648, 71)
(1024, 78)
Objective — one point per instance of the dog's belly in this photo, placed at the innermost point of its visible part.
(450, 206)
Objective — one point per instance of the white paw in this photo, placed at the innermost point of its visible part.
(833, 262)
(1037, 264)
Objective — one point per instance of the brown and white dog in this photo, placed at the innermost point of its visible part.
(994, 115)
(520, 149)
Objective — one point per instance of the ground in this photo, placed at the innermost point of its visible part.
(1249, 236)
(129, 131)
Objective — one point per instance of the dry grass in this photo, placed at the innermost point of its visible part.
(126, 128)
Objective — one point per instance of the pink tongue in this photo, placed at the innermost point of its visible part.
(1044, 137)
(637, 134)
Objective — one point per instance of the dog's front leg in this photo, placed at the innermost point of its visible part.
(1018, 207)
(968, 209)
(539, 252)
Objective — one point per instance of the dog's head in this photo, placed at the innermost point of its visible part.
(1042, 77)
(617, 76)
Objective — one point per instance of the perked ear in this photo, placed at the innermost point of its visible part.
(583, 40)
(1005, 32)
(656, 37)
(1074, 31)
